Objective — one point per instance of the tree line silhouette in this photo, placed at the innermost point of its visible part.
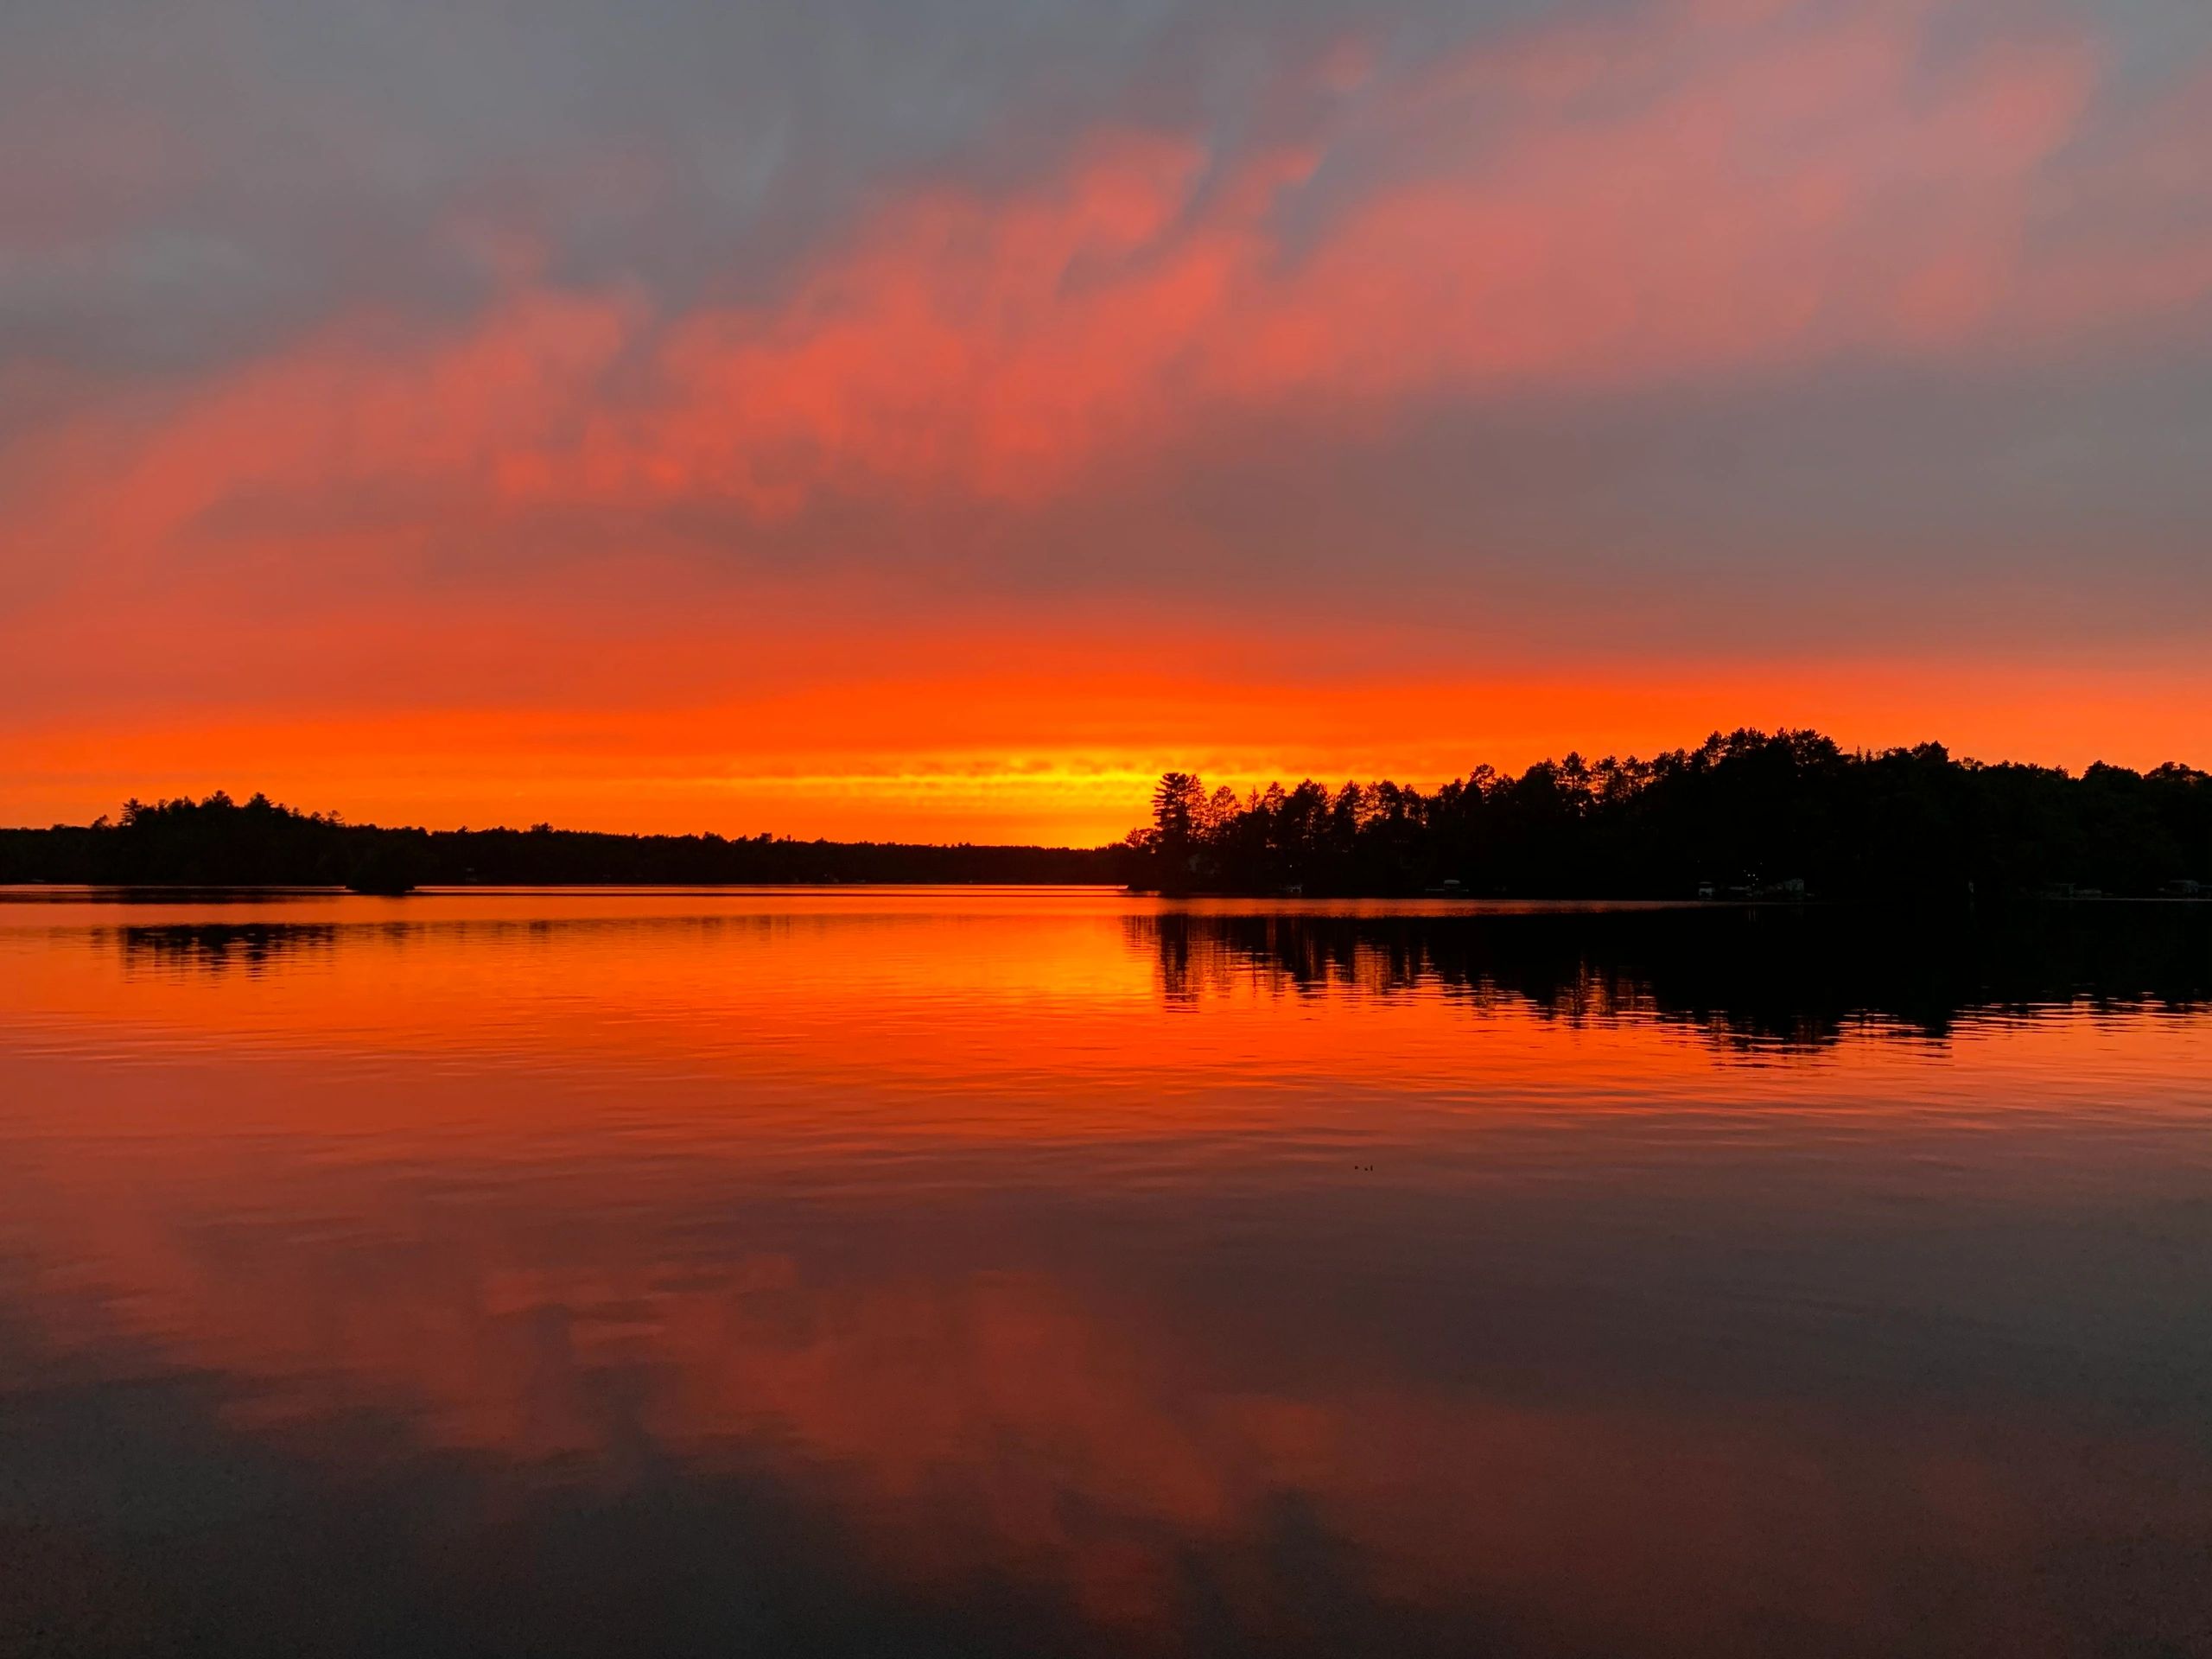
(220, 842)
(1749, 814)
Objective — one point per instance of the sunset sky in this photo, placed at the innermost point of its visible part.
(931, 418)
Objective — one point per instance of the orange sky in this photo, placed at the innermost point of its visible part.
(1382, 393)
(1062, 759)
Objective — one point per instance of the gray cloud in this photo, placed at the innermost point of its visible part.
(188, 186)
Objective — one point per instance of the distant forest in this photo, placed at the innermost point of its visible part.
(220, 842)
(1750, 815)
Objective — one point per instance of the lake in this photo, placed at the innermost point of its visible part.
(983, 1272)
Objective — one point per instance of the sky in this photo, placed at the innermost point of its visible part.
(932, 419)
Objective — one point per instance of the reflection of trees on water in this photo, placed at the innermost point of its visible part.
(220, 947)
(1750, 979)
(1782, 977)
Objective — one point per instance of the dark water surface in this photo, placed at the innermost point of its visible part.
(980, 1272)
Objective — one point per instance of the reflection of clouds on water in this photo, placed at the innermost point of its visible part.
(1106, 1468)
(1751, 982)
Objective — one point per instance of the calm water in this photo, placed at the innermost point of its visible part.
(1060, 1273)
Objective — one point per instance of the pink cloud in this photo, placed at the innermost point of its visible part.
(1702, 191)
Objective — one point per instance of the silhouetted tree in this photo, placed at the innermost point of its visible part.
(1178, 806)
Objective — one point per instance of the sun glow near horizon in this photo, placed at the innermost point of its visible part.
(660, 771)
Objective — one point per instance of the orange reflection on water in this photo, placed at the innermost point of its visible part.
(1034, 1251)
(980, 1013)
